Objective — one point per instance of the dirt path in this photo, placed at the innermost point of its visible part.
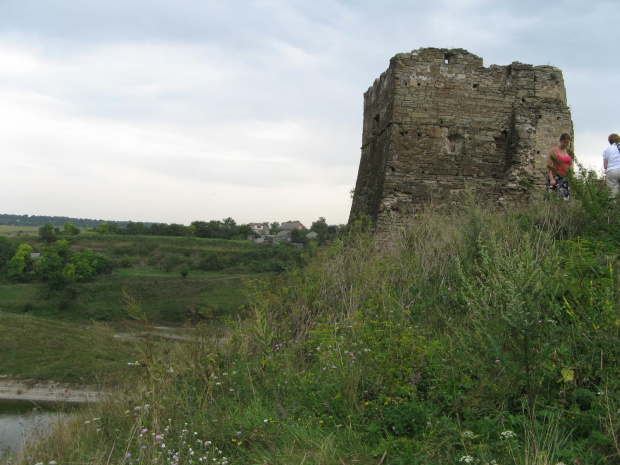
(167, 334)
(46, 391)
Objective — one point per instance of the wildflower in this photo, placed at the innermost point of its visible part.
(466, 459)
(87, 422)
(468, 434)
(144, 430)
(508, 435)
(207, 443)
(52, 462)
(127, 455)
(159, 437)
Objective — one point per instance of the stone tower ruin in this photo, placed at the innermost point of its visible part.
(438, 122)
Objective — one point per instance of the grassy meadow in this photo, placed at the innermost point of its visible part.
(45, 349)
(18, 231)
(487, 336)
(143, 288)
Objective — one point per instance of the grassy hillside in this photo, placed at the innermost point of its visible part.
(147, 270)
(39, 348)
(490, 337)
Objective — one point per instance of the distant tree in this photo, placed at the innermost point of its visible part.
(204, 229)
(320, 227)
(216, 229)
(50, 269)
(63, 248)
(71, 230)
(136, 228)
(229, 223)
(7, 250)
(177, 230)
(20, 266)
(184, 271)
(103, 228)
(47, 233)
(273, 227)
(84, 265)
(299, 236)
(326, 233)
(242, 231)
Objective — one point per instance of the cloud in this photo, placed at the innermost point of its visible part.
(188, 110)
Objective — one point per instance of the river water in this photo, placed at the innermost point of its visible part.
(19, 418)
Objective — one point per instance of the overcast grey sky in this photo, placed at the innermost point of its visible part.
(181, 110)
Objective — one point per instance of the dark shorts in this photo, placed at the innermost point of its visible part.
(561, 187)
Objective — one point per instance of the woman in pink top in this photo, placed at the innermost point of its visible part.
(559, 163)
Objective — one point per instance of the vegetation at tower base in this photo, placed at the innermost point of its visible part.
(487, 336)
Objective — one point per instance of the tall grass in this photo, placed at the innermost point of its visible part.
(489, 336)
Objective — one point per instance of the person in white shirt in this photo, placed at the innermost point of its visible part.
(611, 163)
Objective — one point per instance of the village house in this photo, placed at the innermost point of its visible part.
(259, 228)
(292, 226)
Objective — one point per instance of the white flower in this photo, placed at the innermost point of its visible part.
(466, 459)
(468, 434)
(508, 435)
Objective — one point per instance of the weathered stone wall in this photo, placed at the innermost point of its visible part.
(438, 122)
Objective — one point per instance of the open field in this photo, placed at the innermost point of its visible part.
(18, 231)
(44, 349)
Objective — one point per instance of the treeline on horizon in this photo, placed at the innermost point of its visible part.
(40, 220)
(214, 229)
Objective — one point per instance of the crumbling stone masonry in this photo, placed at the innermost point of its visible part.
(438, 122)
